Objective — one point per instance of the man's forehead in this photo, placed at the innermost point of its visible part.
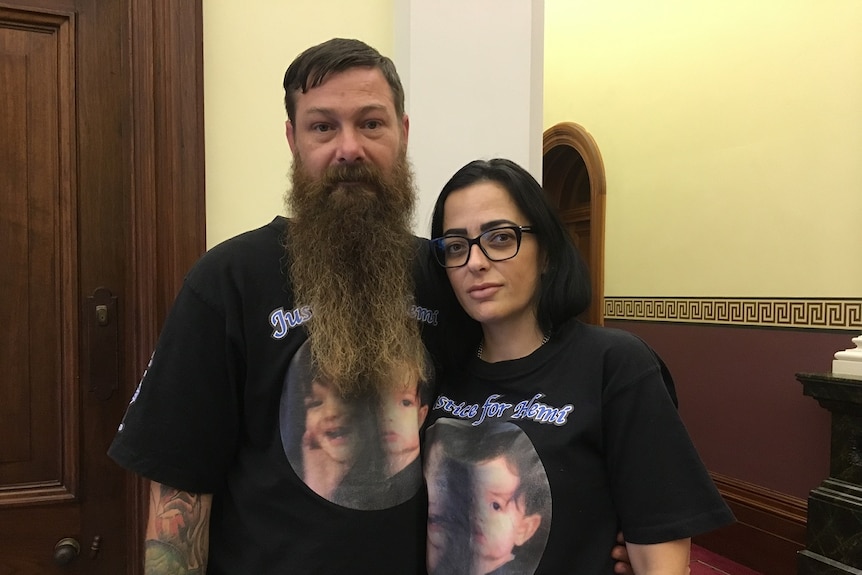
(357, 88)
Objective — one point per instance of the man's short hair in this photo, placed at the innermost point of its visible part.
(311, 68)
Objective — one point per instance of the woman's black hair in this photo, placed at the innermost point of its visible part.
(564, 286)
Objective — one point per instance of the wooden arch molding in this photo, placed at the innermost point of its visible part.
(574, 181)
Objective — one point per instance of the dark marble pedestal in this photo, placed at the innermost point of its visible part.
(834, 538)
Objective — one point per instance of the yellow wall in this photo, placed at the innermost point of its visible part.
(731, 133)
(247, 47)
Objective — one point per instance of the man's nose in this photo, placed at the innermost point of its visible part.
(350, 147)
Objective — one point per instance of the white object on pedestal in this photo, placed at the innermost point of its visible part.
(848, 363)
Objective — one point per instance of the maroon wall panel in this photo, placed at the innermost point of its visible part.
(741, 402)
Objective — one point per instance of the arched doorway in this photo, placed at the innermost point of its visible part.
(573, 177)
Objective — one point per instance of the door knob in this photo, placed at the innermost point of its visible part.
(65, 550)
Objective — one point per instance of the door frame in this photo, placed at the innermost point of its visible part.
(576, 137)
(168, 215)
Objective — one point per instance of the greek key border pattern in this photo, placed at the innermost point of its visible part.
(829, 314)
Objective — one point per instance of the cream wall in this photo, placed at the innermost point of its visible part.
(731, 133)
(473, 84)
(247, 46)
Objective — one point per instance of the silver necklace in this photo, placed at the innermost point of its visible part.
(479, 349)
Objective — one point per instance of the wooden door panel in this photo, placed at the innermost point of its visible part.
(38, 414)
(41, 455)
(89, 89)
(26, 527)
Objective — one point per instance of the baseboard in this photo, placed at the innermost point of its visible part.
(770, 527)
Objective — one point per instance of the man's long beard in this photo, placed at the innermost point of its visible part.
(351, 249)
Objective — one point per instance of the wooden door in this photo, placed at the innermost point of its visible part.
(73, 217)
(573, 177)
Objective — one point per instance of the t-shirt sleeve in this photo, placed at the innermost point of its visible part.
(181, 425)
(661, 488)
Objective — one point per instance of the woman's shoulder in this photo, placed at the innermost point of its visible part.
(603, 338)
(620, 353)
(610, 349)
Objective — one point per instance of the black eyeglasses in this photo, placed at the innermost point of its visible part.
(498, 244)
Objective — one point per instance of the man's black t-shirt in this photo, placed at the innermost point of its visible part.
(220, 409)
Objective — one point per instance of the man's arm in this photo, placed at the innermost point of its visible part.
(670, 558)
(177, 540)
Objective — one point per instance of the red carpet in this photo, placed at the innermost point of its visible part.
(705, 562)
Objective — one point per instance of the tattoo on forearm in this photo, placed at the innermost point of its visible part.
(178, 532)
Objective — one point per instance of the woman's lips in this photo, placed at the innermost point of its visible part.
(483, 291)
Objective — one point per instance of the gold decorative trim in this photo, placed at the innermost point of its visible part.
(831, 314)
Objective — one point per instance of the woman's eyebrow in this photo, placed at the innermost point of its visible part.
(496, 224)
(483, 228)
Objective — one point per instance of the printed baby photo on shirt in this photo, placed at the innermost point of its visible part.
(489, 499)
(358, 452)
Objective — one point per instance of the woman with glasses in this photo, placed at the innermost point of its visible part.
(591, 402)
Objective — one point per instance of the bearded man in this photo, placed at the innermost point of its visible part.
(259, 418)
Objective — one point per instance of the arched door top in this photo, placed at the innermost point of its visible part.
(574, 181)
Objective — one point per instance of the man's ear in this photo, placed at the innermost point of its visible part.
(291, 136)
(423, 413)
(405, 128)
(527, 528)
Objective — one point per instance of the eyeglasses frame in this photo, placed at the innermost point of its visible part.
(519, 232)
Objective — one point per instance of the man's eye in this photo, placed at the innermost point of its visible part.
(321, 127)
(373, 124)
(407, 403)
